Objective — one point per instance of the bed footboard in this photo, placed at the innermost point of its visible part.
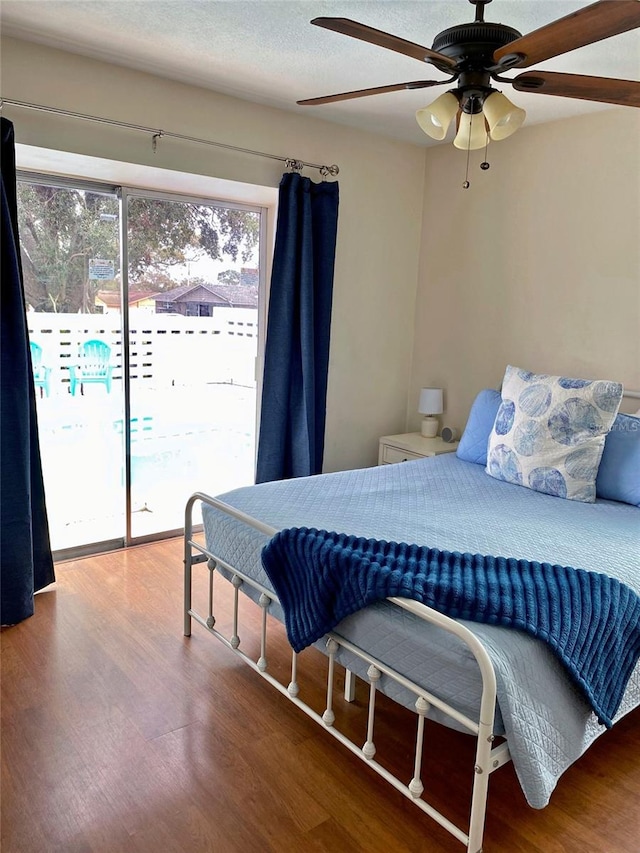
(488, 757)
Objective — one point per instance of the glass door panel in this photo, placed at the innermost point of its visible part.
(193, 332)
(69, 241)
(186, 411)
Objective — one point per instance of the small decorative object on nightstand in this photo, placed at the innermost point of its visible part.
(411, 445)
(449, 434)
(430, 404)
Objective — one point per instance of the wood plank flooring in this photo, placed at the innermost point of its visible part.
(119, 734)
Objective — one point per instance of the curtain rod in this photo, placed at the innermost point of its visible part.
(156, 134)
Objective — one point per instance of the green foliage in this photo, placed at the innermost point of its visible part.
(62, 229)
(229, 277)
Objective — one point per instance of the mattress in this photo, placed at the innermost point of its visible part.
(449, 504)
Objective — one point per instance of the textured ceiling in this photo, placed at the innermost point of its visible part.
(267, 52)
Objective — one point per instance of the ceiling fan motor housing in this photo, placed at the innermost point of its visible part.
(472, 46)
(474, 43)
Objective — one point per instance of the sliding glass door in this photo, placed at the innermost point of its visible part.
(193, 283)
(70, 251)
(143, 323)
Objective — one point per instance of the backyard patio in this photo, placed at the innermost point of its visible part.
(183, 439)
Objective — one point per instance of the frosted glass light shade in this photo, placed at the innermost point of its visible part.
(503, 117)
(431, 401)
(436, 118)
(478, 136)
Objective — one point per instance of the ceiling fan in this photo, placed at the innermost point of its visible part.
(476, 53)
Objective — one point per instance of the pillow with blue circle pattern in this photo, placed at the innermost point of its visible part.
(549, 432)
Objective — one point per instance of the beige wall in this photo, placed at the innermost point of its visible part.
(380, 207)
(537, 264)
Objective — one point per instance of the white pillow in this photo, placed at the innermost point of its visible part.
(549, 432)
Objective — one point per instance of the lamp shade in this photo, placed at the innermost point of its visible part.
(472, 132)
(503, 117)
(436, 118)
(430, 401)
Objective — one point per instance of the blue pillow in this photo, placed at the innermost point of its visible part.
(550, 431)
(475, 438)
(619, 472)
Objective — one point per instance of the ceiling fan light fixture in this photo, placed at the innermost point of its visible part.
(476, 53)
(435, 119)
(472, 132)
(503, 117)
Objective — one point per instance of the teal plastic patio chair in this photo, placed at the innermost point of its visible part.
(93, 366)
(41, 372)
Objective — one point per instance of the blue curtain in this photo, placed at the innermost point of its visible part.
(294, 392)
(25, 552)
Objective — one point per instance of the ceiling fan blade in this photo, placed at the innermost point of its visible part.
(361, 31)
(606, 89)
(378, 90)
(593, 23)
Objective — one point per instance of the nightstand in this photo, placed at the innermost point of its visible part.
(411, 445)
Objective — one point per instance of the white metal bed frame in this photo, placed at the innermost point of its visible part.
(488, 757)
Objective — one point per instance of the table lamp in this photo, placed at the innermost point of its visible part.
(430, 404)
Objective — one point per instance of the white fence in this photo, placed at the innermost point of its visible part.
(166, 349)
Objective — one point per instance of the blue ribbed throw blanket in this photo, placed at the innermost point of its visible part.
(591, 621)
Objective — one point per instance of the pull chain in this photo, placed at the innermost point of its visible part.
(466, 184)
(485, 164)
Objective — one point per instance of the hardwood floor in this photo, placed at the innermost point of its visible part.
(119, 734)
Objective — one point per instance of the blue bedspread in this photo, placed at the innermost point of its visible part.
(590, 620)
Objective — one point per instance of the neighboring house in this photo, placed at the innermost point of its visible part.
(249, 277)
(109, 300)
(199, 300)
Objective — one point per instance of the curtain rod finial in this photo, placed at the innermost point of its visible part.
(329, 170)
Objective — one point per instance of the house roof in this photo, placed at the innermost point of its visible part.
(231, 295)
(111, 298)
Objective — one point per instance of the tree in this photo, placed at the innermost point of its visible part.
(62, 229)
(229, 277)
